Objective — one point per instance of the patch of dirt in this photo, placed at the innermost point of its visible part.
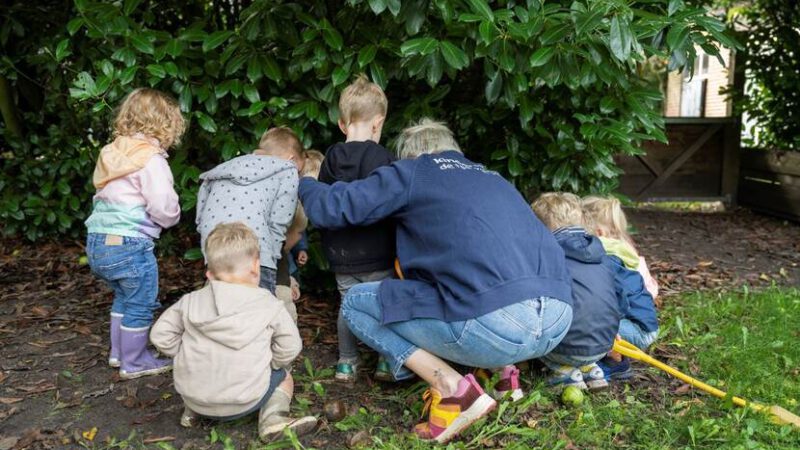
(55, 387)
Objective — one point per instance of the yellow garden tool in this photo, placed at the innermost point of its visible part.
(778, 414)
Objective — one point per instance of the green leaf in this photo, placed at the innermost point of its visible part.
(130, 6)
(453, 56)
(377, 6)
(127, 74)
(340, 75)
(419, 46)
(378, 75)
(254, 70)
(394, 6)
(195, 254)
(215, 39)
(542, 56)
(206, 122)
(331, 36)
(185, 99)
(616, 40)
(62, 50)
(174, 48)
(493, 87)
(481, 8)
(271, 68)
(251, 93)
(514, 167)
(366, 55)
(156, 70)
(486, 31)
(74, 25)
(142, 44)
(554, 34)
(677, 37)
(674, 6)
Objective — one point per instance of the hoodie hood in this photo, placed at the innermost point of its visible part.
(122, 157)
(623, 251)
(248, 169)
(579, 245)
(350, 161)
(235, 306)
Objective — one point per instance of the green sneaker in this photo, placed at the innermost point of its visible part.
(346, 372)
(382, 371)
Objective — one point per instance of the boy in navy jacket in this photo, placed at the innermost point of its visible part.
(595, 294)
(358, 254)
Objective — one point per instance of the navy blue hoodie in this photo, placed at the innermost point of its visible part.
(357, 249)
(468, 242)
(595, 295)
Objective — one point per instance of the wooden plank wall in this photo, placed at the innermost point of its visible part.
(770, 182)
(703, 176)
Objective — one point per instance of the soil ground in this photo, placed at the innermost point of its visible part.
(55, 386)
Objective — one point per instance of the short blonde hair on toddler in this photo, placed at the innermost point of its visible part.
(604, 215)
(151, 113)
(558, 209)
(279, 140)
(314, 160)
(362, 100)
(231, 248)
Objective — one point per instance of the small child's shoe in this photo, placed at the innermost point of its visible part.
(616, 371)
(451, 415)
(188, 418)
(508, 384)
(274, 417)
(346, 372)
(567, 376)
(594, 377)
(382, 371)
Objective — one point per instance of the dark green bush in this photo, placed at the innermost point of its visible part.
(547, 92)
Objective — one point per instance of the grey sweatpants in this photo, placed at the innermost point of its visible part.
(348, 344)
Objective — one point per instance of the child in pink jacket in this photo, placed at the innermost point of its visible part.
(135, 199)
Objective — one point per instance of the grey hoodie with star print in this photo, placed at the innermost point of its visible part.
(258, 190)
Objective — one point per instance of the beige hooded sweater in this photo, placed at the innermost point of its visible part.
(225, 338)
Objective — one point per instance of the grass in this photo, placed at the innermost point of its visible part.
(743, 342)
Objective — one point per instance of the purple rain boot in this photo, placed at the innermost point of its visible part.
(137, 361)
(113, 354)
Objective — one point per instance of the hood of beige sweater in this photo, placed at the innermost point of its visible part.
(230, 317)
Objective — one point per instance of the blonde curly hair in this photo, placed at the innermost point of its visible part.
(151, 113)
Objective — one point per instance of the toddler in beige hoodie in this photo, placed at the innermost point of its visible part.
(232, 341)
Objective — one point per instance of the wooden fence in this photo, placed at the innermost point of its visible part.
(770, 182)
(700, 162)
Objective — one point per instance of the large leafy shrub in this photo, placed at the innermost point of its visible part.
(772, 67)
(546, 92)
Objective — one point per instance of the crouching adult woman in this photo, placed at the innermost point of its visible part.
(485, 282)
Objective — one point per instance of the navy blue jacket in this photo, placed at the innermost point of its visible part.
(467, 241)
(636, 303)
(595, 295)
(364, 248)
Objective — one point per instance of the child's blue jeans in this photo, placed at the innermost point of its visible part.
(634, 334)
(128, 266)
(518, 332)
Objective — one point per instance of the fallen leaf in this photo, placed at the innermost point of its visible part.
(154, 440)
(8, 443)
(10, 400)
(90, 434)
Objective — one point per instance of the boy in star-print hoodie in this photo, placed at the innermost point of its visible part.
(259, 190)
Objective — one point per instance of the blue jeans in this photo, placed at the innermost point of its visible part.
(524, 330)
(131, 271)
(634, 334)
(268, 279)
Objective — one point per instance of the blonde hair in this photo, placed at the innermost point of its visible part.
(314, 160)
(362, 100)
(278, 140)
(424, 137)
(230, 248)
(558, 209)
(151, 113)
(604, 215)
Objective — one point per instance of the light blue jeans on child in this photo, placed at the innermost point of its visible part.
(524, 330)
(131, 271)
(634, 334)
